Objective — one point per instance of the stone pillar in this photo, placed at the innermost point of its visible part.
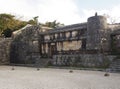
(84, 44)
(78, 34)
(58, 36)
(49, 51)
(70, 34)
(61, 44)
(63, 35)
(55, 46)
(53, 36)
(96, 27)
(40, 45)
(46, 47)
(43, 48)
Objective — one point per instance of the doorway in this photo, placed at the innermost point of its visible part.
(52, 49)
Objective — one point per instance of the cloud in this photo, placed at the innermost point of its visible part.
(64, 11)
(18, 7)
(112, 14)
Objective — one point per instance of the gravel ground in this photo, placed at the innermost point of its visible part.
(46, 78)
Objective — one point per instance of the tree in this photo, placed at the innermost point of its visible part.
(33, 21)
(9, 23)
(53, 24)
(111, 19)
(7, 32)
(36, 19)
(6, 21)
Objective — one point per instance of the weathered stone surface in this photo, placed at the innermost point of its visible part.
(25, 46)
(96, 27)
(72, 45)
(5, 51)
(82, 60)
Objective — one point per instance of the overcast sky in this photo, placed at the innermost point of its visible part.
(64, 11)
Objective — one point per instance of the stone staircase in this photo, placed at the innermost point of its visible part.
(115, 65)
(43, 62)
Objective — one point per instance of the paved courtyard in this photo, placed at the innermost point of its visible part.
(30, 78)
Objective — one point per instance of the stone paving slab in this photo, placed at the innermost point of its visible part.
(48, 78)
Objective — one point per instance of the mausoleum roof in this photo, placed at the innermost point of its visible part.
(68, 28)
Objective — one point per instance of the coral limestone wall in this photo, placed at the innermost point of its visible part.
(5, 50)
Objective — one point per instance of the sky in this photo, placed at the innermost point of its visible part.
(64, 11)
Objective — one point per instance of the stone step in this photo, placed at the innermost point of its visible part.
(114, 70)
(43, 62)
(116, 61)
(115, 65)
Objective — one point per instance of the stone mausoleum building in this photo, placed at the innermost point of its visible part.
(95, 43)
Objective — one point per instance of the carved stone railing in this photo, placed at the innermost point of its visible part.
(64, 39)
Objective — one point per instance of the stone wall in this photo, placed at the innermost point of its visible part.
(5, 50)
(25, 46)
(96, 27)
(82, 60)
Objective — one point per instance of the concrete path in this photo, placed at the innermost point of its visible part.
(30, 78)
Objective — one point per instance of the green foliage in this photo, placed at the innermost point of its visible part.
(6, 21)
(19, 24)
(33, 21)
(7, 32)
(53, 24)
(9, 23)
